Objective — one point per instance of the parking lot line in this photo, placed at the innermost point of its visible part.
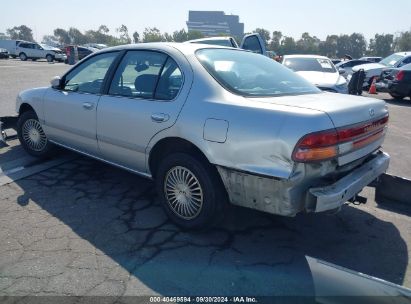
(21, 171)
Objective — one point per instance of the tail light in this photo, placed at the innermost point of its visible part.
(400, 76)
(329, 144)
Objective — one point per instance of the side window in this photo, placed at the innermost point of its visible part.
(170, 81)
(252, 43)
(138, 74)
(88, 77)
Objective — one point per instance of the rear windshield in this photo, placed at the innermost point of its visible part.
(310, 64)
(250, 74)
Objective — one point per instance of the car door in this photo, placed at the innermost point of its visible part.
(146, 94)
(254, 43)
(70, 110)
(38, 51)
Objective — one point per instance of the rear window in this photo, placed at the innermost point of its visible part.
(249, 74)
(310, 64)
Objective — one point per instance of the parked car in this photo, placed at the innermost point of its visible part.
(4, 53)
(34, 51)
(83, 51)
(396, 81)
(318, 70)
(348, 65)
(211, 124)
(251, 42)
(10, 46)
(98, 46)
(374, 69)
(371, 58)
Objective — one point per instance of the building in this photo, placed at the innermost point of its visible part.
(213, 23)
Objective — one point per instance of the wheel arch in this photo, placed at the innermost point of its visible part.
(25, 107)
(169, 145)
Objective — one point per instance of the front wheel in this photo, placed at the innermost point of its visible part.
(32, 137)
(191, 191)
(49, 58)
(396, 96)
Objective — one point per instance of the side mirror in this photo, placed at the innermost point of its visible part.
(341, 71)
(56, 82)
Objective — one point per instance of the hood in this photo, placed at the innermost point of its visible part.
(321, 79)
(343, 109)
(368, 67)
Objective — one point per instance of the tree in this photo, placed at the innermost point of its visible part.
(288, 46)
(50, 40)
(152, 34)
(167, 37)
(76, 36)
(403, 42)
(358, 45)
(21, 32)
(194, 35)
(381, 45)
(180, 36)
(329, 47)
(103, 29)
(3, 36)
(62, 36)
(308, 44)
(275, 41)
(264, 34)
(136, 37)
(124, 36)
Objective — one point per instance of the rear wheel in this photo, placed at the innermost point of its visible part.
(32, 137)
(23, 57)
(396, 96)
(191, 191)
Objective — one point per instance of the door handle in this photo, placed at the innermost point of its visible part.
(88, 105)
(159, 117)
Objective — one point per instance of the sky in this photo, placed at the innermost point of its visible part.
(291, 17)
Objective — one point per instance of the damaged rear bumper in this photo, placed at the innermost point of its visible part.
(288, 197)
(333, 196)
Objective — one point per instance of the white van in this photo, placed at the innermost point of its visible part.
(34, 51)
(11, 46)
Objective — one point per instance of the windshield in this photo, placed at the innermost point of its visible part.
(310, 64)
(250, 74)
(391, 60)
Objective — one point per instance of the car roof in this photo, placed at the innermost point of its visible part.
(306, 56)
(408, 53)
(185, 48)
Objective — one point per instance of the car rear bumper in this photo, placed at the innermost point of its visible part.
(288, 197)
(333, 196)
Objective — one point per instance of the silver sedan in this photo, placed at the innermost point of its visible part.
(210, 125)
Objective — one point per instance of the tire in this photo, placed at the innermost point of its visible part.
(23, 56)
(198, 199)
(396, 96)
(49, 58)
(32, 137)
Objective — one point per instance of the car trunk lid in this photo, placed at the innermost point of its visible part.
(358, 116)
